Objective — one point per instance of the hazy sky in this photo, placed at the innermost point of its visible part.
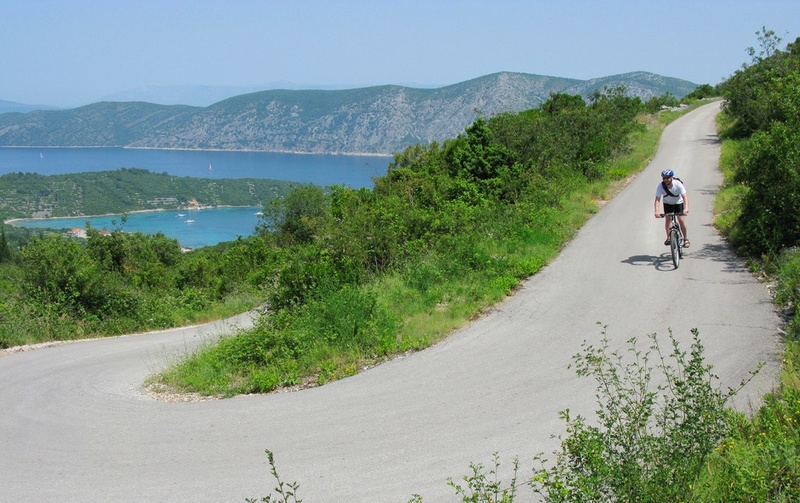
(74, 52)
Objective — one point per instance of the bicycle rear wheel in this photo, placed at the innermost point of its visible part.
(675, 248)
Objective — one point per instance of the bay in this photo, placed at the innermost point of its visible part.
(192, 229)
(197, 228)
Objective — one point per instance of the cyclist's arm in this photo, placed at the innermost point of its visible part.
(685, 204)
(657, 207)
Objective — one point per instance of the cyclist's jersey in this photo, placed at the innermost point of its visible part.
(677, 188)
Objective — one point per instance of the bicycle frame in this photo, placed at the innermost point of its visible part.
(675, 238)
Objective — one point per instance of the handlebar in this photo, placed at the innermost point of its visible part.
(665, 215)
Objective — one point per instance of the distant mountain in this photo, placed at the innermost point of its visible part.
(642, 84)
(182, 95)
(379, 119)
(11, 106)
(202, 96)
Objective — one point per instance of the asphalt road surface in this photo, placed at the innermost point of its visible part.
(75, 425)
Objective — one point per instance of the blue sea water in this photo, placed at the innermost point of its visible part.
(192, 229)
(322, 169)
(209, 226)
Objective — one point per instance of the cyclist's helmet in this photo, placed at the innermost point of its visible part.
(667, 173)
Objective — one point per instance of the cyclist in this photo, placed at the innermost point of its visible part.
(673, 194)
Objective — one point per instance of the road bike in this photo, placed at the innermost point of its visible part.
(675, 238)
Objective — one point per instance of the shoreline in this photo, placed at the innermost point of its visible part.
(125, 147)
(12, 221)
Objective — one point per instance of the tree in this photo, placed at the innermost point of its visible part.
(768, 43)
(478, 156)
(656, 103)
(751, 93)
(5, 250)
(702, 91)
(561, 103)
(297, 216)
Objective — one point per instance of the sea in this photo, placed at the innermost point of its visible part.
(197, 228)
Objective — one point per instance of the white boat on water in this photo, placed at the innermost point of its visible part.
(189, 221)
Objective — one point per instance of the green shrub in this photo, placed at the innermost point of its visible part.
(286, 491)
(305, 270)
(656, 103)
(485, 487)
(652, 440)
(297, 217)
(771, 170)
(348, 318)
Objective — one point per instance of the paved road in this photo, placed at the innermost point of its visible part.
(76, 427)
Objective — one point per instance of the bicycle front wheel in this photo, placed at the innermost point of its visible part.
(675, 248)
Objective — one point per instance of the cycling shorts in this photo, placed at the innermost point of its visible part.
(673, 208)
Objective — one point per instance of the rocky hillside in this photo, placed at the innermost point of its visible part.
(381, 119)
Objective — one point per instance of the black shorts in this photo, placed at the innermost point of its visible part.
(673, 208)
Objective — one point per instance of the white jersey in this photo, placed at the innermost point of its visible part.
(677, 188)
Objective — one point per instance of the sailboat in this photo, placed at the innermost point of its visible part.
(209, 168)
(192, 205)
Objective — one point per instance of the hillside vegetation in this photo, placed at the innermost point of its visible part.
(26, 195)
(381, 119)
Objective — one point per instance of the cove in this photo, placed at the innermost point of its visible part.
(192, 229)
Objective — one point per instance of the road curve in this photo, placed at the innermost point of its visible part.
(75, 425)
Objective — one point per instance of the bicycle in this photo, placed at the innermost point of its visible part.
(675, 238)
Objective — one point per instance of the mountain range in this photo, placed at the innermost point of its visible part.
(376, 120)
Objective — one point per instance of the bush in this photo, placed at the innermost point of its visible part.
(299, 278)
(771, 170)
(656, 103)
(348, 318)
(702, 91)
(58, 272)
(651, 442)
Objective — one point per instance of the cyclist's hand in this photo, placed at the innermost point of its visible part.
(685, 212)
(659, 215)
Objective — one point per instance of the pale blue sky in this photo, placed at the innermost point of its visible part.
(74, 52)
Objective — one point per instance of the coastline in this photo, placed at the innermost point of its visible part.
(185, 149)
(11, 221)
(292, 152)
(192, 229)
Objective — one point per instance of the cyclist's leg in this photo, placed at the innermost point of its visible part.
(682, 224)
(668, 208)
(666, 229)
(683, 231)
